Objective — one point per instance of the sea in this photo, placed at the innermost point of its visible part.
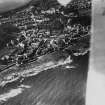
(57, 81)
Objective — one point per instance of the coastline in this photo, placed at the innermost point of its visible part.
(43, 63)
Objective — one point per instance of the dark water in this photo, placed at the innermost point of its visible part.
(57, 86)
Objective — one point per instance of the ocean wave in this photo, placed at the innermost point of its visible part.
(10, 94)
(13, 92)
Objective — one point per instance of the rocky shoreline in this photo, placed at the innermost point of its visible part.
(43, 63)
